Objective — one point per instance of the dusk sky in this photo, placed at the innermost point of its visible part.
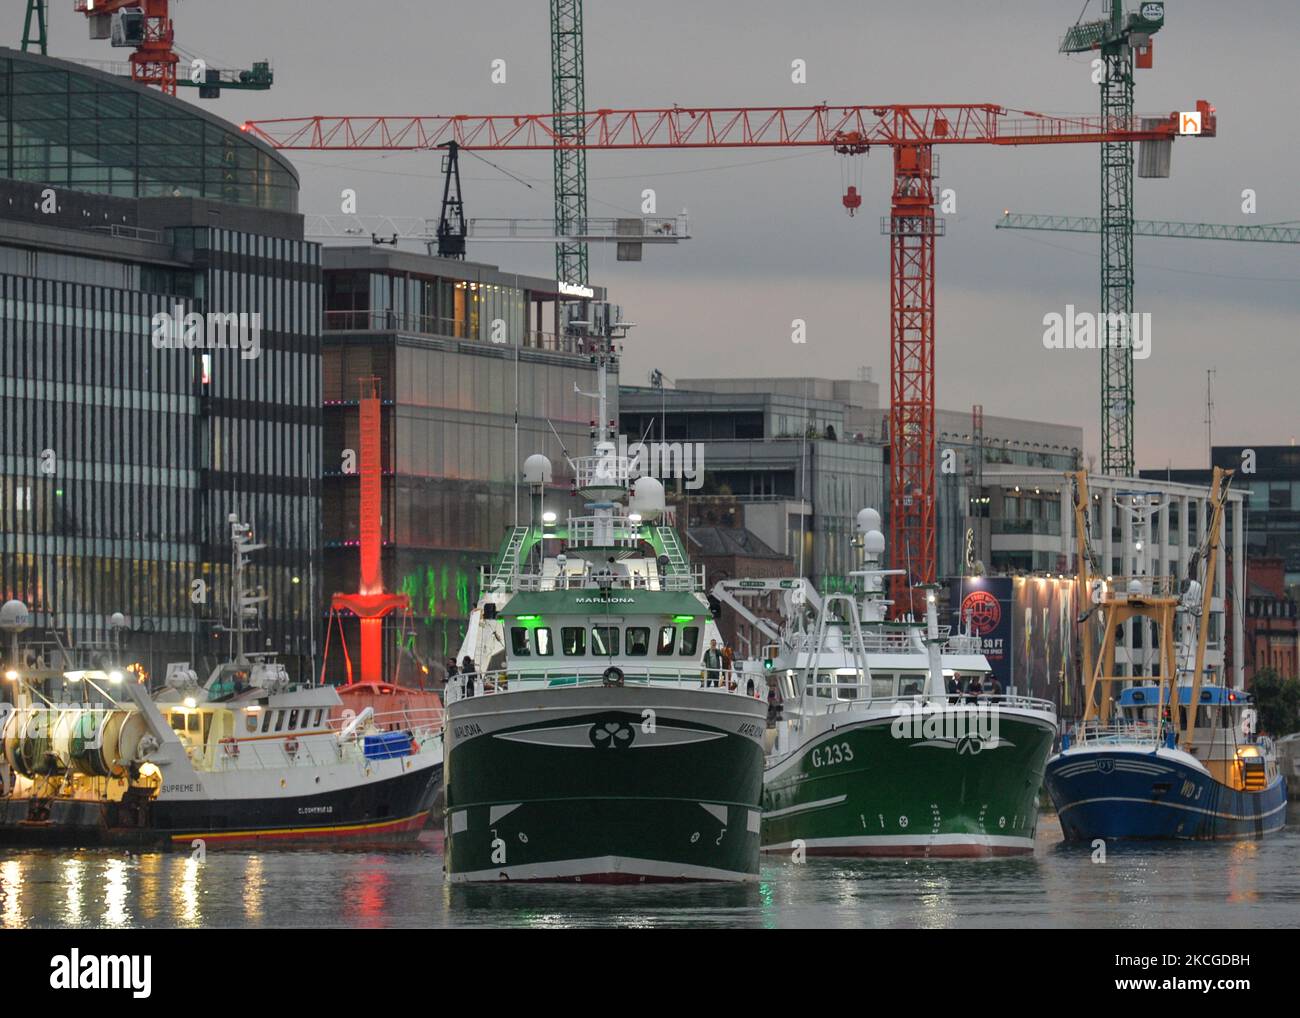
(772, 241)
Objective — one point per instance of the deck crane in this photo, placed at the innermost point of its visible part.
(910, 131)
(1268, 233)
(145, 26)
(1118, 40)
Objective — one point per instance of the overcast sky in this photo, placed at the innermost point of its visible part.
(772, 241)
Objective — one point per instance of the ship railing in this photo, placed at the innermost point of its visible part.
(1117, 588)
(531, 581)
(409, 719)
(985, 701)
(603, 532)
(1092, 733)
(611, 471)
(489, 683)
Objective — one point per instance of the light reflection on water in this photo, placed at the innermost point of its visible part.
(1233, 884)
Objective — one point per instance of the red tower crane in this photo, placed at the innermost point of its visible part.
(911, 131)
(144, 24)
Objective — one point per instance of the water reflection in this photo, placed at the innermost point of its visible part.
(1233, 884)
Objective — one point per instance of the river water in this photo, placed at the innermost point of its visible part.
(1169, 886)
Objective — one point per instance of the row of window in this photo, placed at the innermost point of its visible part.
(604, 642)
(292, 720)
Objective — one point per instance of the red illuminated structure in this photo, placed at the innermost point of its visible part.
(911, 131)
(371, 603)
(154, 60)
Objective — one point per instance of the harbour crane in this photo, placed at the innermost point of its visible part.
(910, 131)
(1118, 40)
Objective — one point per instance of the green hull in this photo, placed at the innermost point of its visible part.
(583, 784)
(859, 789)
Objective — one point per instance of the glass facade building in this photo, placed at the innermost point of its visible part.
(70, 126)
(127, 441)
(474, 375)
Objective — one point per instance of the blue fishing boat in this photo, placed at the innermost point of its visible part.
(1134, 780)
(1173, 754)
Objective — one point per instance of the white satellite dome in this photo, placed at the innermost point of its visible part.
(537, 469)
(647, 497)
(873, 541)
(1135, 586)
(868, 520)
(14, 616)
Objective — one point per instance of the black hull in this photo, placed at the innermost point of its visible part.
(375, 813)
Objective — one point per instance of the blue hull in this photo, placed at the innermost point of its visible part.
(1133, 793)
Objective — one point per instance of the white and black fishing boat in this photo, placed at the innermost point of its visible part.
(592, 743)
(244, 757)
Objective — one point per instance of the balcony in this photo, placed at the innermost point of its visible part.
(443, 328)
(1038, 528)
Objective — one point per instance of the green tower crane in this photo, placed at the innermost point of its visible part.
(568, 100)
(1116, 38)
(35, 13)
(1268, 233)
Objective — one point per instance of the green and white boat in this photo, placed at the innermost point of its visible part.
(588, 745)
(882, 746)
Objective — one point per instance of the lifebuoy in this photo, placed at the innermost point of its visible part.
(291, 746)
(231, 747)
(613, 677)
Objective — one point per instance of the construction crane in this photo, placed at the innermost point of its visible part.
(1117, 40)
(910, 131)
(1272, 233)
(145, 26)
(35, 17)
(607, 230)
(568, 93)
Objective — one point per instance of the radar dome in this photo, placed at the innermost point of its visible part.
(13, 616)
(647, 497)
(537, 469)
(873, 542)
(868, 520)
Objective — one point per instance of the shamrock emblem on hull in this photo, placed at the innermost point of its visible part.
(611, 734)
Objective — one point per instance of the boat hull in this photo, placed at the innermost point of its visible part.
(620, 785)
(1135, 793)
(374, 812)
(861, 789)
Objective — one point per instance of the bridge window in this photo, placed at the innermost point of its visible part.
(545, 645)
(690, 640)
(882, 687)
(638, 641)
(279, 720)
(519, 642)
(667, 638)
(604, 640)
(266, 721)
(574, 640)
(293, 720)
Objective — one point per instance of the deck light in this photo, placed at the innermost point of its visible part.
(548, 517)
(115, 677)
(529, 618)
(683, 618)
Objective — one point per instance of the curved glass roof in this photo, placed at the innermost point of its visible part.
(70, 126)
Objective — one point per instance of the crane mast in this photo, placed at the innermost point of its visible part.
(1115, 40)
(568, 97)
